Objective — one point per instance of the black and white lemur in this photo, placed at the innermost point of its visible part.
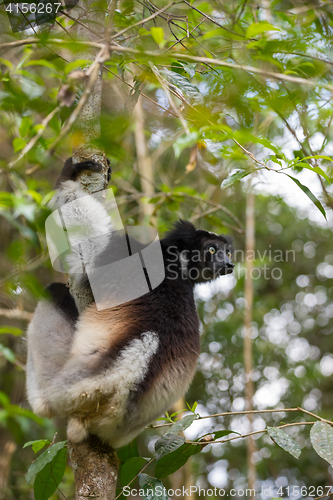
(113, 372)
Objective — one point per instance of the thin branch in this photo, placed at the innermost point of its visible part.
(184, 57)
(314, 415)
(16, 314)
(212, 210)
(134, 478)
(77, 21)
(246, 412)
(36, 137)
(143, 95)
(249, 434)
(92, 73)
(213, 20)
(149, 18)
(31, 264)
(172, 104)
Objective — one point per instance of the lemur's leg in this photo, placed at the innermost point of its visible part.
(49, 339)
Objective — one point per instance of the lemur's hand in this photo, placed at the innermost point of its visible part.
(71, 171)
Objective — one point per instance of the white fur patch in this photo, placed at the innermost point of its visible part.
(87, 222)
(128, 369)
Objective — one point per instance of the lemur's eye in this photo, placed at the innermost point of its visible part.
(212, 250)
(229, 254)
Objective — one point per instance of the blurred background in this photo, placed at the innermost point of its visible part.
(176, 131)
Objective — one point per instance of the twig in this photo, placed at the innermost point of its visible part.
(172, 104)
(143, 468)
(92, 73)
(149, 18)
(184, 57)
(16, 314)
(213, 20)
(248, 434)
(36, 137)
(143, 95)
(246, 412)
(314, 415)
(324, 496)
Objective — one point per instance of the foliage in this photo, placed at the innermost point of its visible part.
(231, 94)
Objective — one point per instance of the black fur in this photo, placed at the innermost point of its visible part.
(60, 295)
(169, 310)
(71, 171)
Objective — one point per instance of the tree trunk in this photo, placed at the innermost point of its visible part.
(248, 361)
(95, 465)
(144, 163)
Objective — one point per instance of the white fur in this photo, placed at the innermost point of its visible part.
(63, 378)
(88, 224)
(129, 369)
(63, 373)
(125, 372)
(49, 339)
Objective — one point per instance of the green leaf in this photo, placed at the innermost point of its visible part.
(18, 144)
(157, 34)
(312, 197)
(12, 330)
(41, 62)
(284, 441)
(16, 410)
(316, 157)
(131, 468)
(234, 178)
(183, 84)
(168, 464)
(258, 28)
(128, 451)
(189, 68)
(49, 478)
(321, 436)
(184, 142)
(182, 424)
(317, 170)
(46, 457)
(6, 200)
(219, 434)
(4, 399)
(79, 63)
(209, 177)
(37, 445)
(153, 489)
(25, 126)
(167, 444)
(7, 353)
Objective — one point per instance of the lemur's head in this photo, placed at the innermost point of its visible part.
(203, 256)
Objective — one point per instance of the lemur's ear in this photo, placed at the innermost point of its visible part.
(182, 234)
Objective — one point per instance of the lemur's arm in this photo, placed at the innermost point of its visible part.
(71, 171)
(86, 219)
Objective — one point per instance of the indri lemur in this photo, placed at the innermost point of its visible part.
(113, 372)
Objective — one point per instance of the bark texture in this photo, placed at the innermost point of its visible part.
(95, 465)
(95, 469)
